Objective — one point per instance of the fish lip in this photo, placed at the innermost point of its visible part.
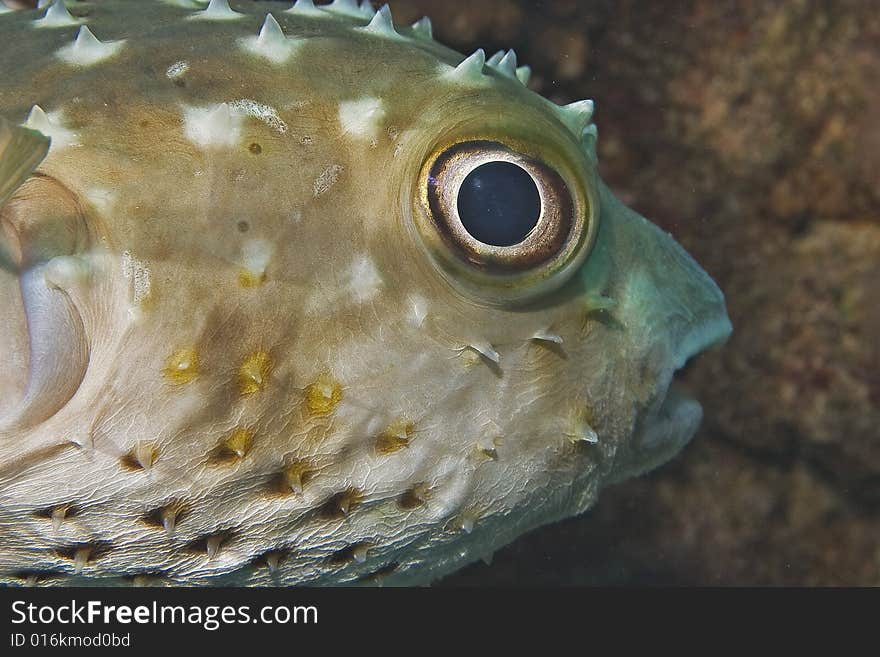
(672, 419)
(701, 337)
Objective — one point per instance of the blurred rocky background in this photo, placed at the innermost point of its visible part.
(751, 131)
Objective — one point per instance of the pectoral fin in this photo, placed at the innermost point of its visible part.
(44, 351)
(21, 151)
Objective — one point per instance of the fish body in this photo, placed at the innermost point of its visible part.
(248, 335)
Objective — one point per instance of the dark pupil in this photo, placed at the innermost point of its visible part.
(499, 204)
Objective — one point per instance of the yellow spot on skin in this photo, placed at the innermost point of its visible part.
(395, 437)
(471, 358)
(296, 475)
(323, 395)
(247, 278)
(142, 456)
(489, 449)
(182, 366)
(238, 442)
(254, 373)
(580, 426)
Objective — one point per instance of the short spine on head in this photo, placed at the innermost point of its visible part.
(382, 24)
(575, 116)
(57, 15)
(270, 43)
(470, 70)
(350, 8)
(87, 50)
(41, 122)
(305, 8)
(504, 63)
(217, 10)
(423, 29)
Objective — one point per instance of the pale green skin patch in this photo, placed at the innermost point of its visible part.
(227, 314)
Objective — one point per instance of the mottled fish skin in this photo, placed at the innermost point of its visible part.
(234, 353)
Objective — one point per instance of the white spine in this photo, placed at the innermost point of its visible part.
(57, 16)
(471, 68)
(423, 29)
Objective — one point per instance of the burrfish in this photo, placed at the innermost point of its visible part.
(295, 294)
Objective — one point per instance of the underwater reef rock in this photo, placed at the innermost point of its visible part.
(749, 131)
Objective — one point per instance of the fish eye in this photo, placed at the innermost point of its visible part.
(499, 209)
(499, 203)
(500, 220)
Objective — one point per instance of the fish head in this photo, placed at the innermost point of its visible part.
(382, 304)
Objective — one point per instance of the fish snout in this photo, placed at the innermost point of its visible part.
(671, 311)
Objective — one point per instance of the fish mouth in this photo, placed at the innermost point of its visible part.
(673, 416)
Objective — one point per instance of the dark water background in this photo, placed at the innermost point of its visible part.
(751, 131)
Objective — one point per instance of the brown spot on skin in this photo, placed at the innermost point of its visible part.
(356, 552)
(33, 577)
(243, 226)
(379, 574)
(140, 457)
(272, 559)
(166, 517)
(255, 148)
(147, 579)
(209, 545)
(341, 504)
(413, 498)
(64, 510)
(87, 552)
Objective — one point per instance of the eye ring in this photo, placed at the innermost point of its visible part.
(546, 256)
(552, 227)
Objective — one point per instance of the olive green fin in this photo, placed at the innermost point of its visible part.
(21, 151)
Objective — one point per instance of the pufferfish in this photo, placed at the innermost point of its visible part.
(297, 295)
